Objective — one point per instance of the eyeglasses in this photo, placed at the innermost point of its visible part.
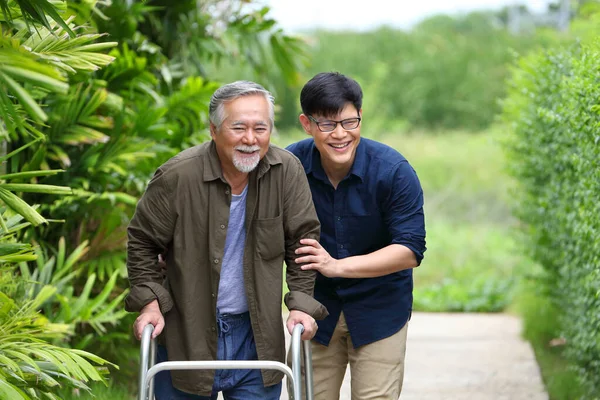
(329, 126)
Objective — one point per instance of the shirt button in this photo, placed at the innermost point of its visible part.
(216, 260)
(222, 226)
(341, 246)
(227, 192)
(339, 218)
(213, 328)
(213, 295)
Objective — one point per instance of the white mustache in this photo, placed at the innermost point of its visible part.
(247, 149)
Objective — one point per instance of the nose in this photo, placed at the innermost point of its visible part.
(338, 132)
(249, 137)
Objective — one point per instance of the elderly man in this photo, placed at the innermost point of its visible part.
(227, 213)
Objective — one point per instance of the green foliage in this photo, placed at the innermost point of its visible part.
(34, 363)
(446, 72)
(104, 92)
(542, 329)
(30, 366)
(65, 307)
(552, 109)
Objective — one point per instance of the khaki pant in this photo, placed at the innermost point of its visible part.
(376, 369)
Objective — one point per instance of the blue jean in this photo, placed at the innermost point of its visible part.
(236, 342)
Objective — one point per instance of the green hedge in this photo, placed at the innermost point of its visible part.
(553, 109)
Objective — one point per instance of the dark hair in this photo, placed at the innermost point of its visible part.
(328, 93)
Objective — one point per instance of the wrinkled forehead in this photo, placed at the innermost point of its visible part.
(248, 109)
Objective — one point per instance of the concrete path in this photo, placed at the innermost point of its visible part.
(466, 357)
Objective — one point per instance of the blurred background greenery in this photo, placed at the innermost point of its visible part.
(499, 120)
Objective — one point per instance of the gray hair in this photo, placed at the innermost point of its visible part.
(232, 91)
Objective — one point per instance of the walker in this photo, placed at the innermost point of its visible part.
(148, 368)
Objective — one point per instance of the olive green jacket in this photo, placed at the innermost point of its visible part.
(184, 212)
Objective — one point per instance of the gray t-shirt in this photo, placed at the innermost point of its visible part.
(232, 293)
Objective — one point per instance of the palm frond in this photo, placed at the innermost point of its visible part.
(19, 73)
(96, 311)
(35, 12)
(16, 203)
(187, 109)
(128, 75)
(78, 53)
(73, 119)
(29, 364)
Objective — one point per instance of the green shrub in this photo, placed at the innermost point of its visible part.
(540, 328)
(554, 153)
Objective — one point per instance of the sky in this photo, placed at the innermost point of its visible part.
(298, 15)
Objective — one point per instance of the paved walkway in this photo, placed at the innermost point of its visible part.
(467, 357)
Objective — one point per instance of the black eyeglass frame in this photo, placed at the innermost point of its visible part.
(310, 117)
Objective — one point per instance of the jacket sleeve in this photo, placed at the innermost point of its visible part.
(300, 221)
(149, 234)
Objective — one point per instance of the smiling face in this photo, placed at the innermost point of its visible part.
(242, 140)
(338, 147)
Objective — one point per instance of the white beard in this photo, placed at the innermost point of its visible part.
(246, 164)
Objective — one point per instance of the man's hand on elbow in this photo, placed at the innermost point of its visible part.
(315, 257)
(150, 314)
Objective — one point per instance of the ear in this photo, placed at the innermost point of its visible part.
(360, 113)
(213, 130)
(305, 123)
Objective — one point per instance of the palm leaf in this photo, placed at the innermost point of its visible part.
(37, 10)
(17, 68)
(30, 174)
(18, 150)
(25, 99)
(36, 188)
(73, 54)
(29, 365)
(36, 79)
(186, 107)
(9, 248)
(9, 391)
(73, 120)
(19, 206)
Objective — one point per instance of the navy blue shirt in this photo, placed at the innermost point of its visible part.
(379, 202)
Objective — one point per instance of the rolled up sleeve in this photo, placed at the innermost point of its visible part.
(149, 234)
(404, 210)
(300, 222)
